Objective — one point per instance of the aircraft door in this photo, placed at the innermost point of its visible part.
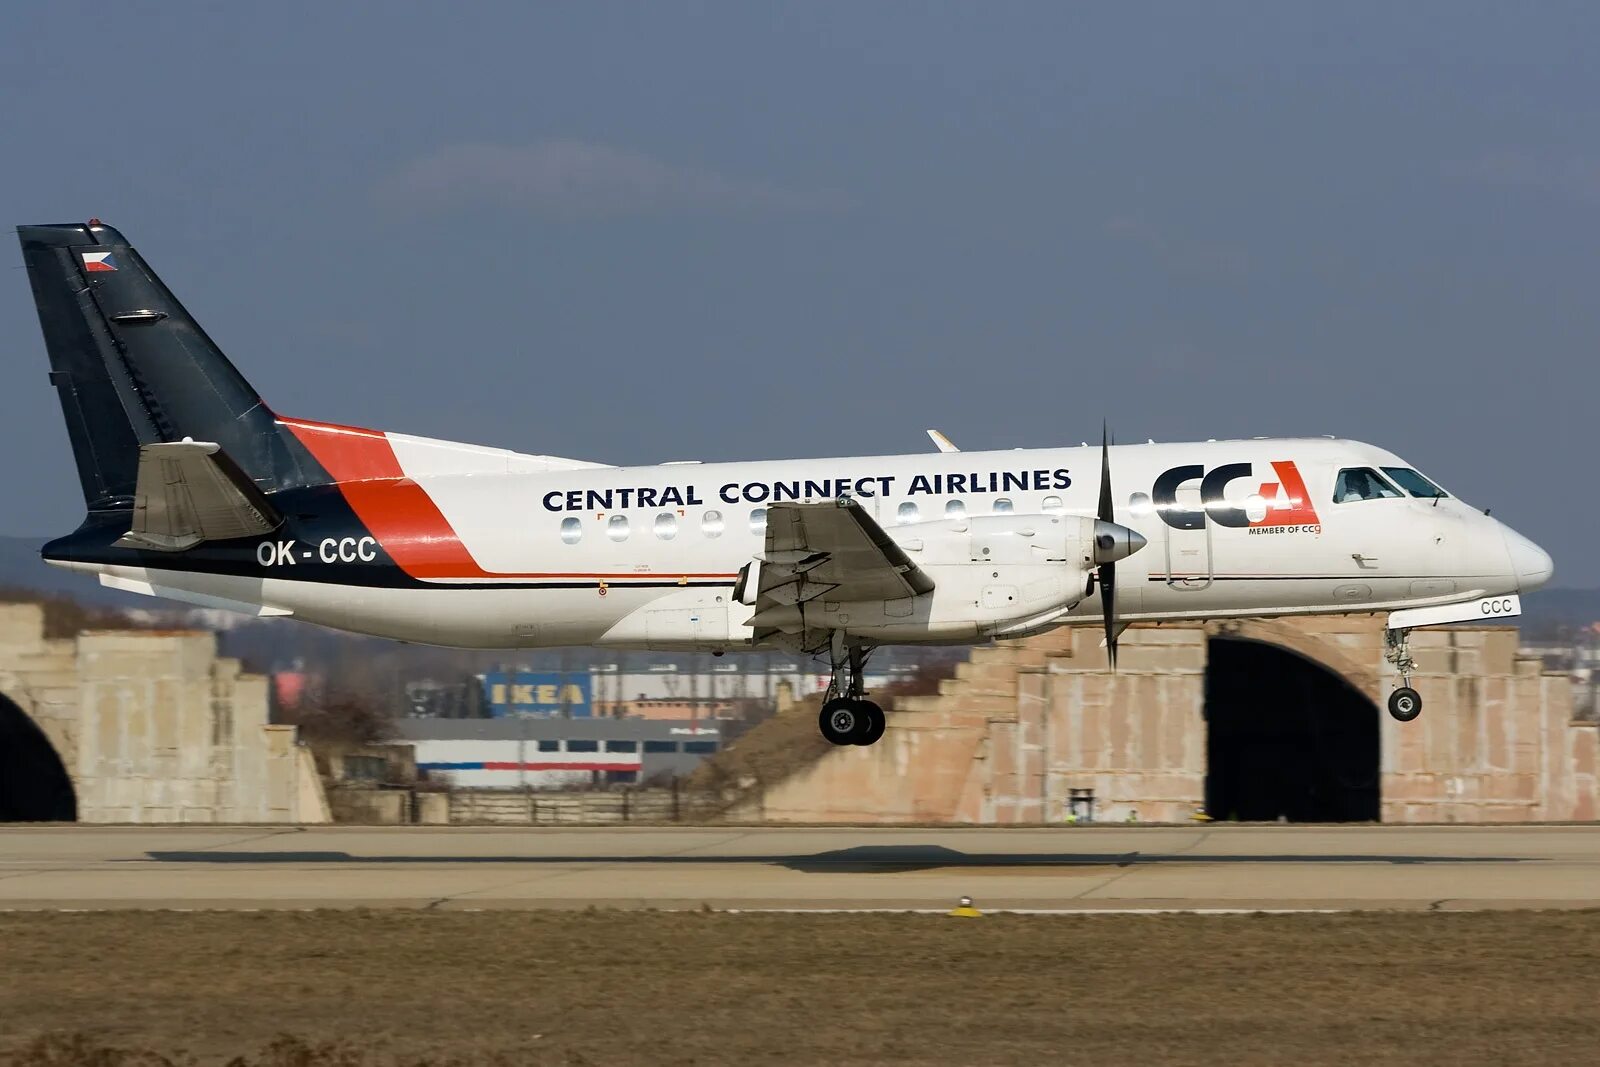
(702, 629)
(1188, 546)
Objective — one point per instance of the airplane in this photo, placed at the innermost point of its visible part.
(199, 492)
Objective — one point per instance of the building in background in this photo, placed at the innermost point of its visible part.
(653, 687)
(549, 694)
(436, 683)
(530, 752)
(1575, 650)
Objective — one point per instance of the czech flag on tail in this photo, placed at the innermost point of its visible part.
(97, 261)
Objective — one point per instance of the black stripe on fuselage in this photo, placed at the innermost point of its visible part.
(311, 516)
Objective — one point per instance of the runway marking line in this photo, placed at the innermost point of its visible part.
(431, 906)
(1037, 911)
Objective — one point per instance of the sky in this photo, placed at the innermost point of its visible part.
(634, 233)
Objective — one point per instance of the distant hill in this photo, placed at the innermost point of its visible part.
(1550, 612)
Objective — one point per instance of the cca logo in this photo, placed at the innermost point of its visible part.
(1497, 607)
(1288, 503)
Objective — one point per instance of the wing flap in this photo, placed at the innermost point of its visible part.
(833, 549)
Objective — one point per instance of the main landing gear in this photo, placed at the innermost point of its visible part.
(1405, 703)
(847, 717)
(851, 721)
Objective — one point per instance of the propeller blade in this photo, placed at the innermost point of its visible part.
(1108, 570)
(1108, 607)
(1104, 512)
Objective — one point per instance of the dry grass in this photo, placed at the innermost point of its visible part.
(342, 989)
(765, 755)
(786, 744)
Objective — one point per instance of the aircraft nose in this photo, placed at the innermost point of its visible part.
(1530, 563)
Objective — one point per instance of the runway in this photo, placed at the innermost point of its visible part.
(1070, 869)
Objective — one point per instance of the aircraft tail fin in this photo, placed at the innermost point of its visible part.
(133, 368)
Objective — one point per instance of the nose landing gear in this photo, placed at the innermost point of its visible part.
(848, 718)
(1405, 703)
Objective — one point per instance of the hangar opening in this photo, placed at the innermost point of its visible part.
(1286, 738)
(34, 786)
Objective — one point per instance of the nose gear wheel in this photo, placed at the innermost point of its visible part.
(1405, 703)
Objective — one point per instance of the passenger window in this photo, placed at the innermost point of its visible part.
(547, 745)
(666, 526)
(1361, 483)
(1414, 483)
(908, 512)
(617, 528)
(1053, 503)
(711, 524)
(955, 509)
(1002, 506)
(571, 530)
(758, 521)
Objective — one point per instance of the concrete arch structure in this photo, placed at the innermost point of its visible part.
(154, 726)
(1318, 646)
(1287, 736)
(1030, 731)
(34, 783)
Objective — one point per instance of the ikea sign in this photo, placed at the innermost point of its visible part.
(553, 694)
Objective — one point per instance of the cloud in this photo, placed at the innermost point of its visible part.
(1571, 177)
(1205, 259)
(580, 180)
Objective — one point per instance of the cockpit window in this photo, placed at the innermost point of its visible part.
(1414, 483)
(1361, 483)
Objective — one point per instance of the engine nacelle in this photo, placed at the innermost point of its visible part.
(992, 573)
(993, 576)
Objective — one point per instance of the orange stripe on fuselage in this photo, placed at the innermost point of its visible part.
(400, 514)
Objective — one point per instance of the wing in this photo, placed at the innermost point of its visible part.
(832, 548)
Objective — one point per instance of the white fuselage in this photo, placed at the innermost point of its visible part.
(648, 556)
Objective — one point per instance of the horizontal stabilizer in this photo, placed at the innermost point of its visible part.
(190, 491)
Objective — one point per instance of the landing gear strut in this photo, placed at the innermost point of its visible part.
(847, 718)
(1405, 703)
